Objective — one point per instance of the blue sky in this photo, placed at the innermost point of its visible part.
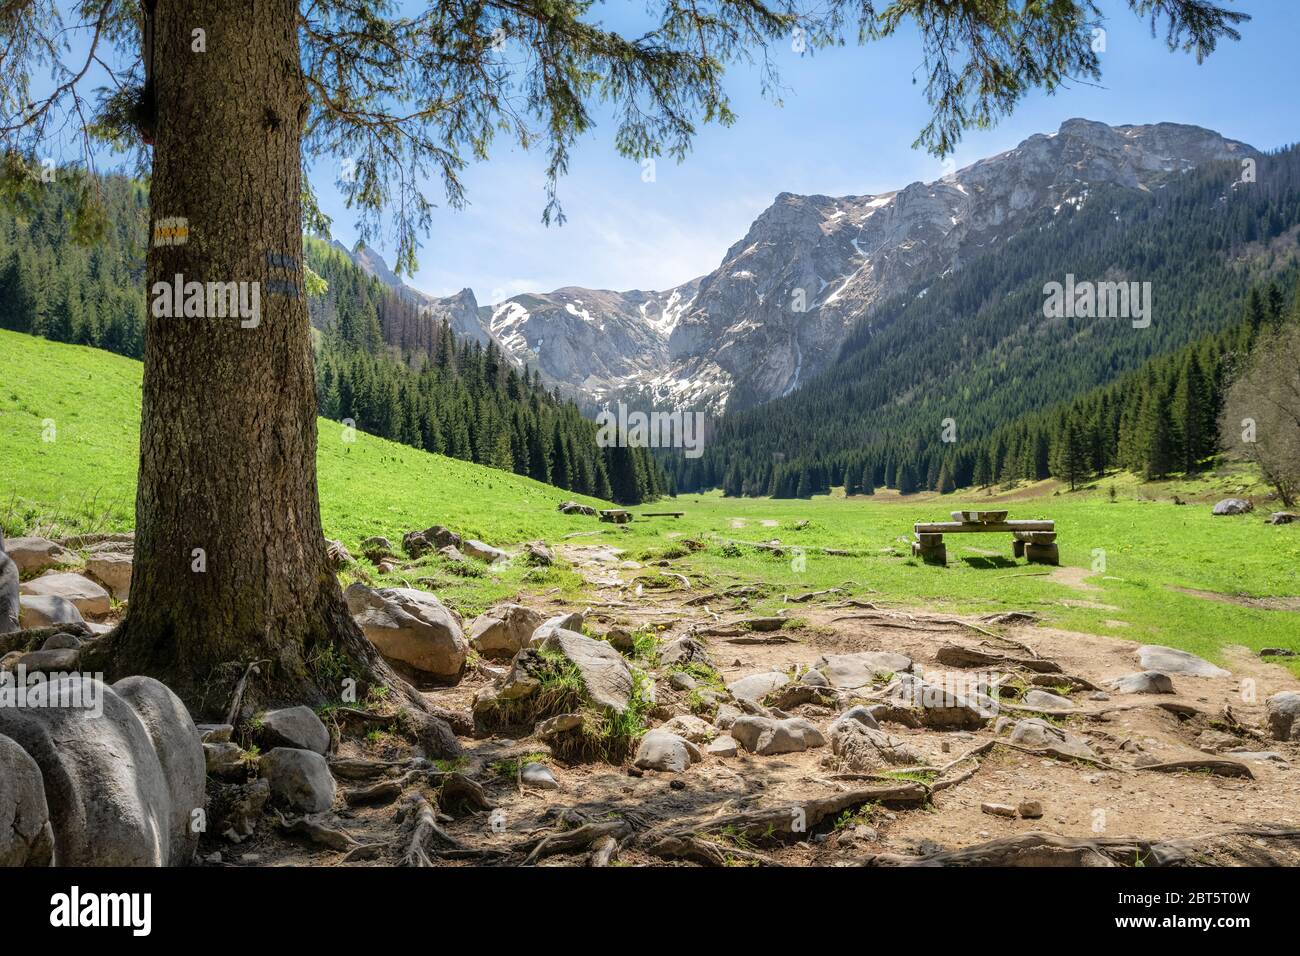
(848, 119)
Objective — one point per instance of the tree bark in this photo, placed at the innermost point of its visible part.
(230, 563)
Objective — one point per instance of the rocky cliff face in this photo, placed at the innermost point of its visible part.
(777, 309)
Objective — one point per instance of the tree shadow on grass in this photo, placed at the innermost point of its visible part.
(984, 561)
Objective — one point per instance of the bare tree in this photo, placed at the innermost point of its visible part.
(1261, 415)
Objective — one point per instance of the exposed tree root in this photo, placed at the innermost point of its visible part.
(954, 655)
(704, 851)
(1215, 765)
(419, 815)
(317, 832)
(580, 838)
(603, 850)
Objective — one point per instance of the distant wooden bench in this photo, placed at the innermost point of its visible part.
(661, 514)
(1033, 540)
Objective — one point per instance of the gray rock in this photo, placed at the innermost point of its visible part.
(300, 779)
(998, 809)
(297, 727)
(504, 631)
(214, 733)
(814, 678)
(61, 642)
(605, 674)
(1047, 701)
(573, 508)
(240, 809)
(1038, 734)
(621, 639)
(377, 547)
(572, 621)
(1143, 682)
(724, 746)
(1233, 506)
(109, 801)
(410, 627)
(442, 537)
(415, 544)
(52, 661)
(865, 749)
(1283, 715)
(552, 727)
(1282, 517)
(1030, 809)
(917, 703)
(862, 715)
(452, 553)
(680, 680)
(684, 650)
(26, 838)
(725, 716)
(758, 686)
(1270, 755)
(1169, 660)
(87, 596)
(765, 735)
(690, 727)
(662, 750)
(849, 671)
(537, 553)
(483, 552)
(225, 760)
(538, 776)
(34, 555)
(48, 611)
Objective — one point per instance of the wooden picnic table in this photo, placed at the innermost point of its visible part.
(1034, 540)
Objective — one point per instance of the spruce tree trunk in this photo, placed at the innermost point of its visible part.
(228, 428)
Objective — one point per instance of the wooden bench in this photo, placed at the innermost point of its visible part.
(661, 514)
(1034, 540)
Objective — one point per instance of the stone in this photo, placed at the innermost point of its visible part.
(377, 547)
(294, 727)
(61, 642)
(1037, 734)
(1143, 682)
(573, 508)
(1168, 660)
(684, 650)
(862, 715)
(300, 779)
(10, 660)
(1030, 809)
(112, 570)
(680, 680)
(724, 746)
(225, 760)
(26, 837)
(237, 810)
(690, 727)
(1233, 506)
(1282, 712)
(1282, 517)
(538, 776)
(726, 716)
(998, 809)
(87, 596)
(814, 678)
(47, 610)
(34, 555)
(441, 537)
(1213, 741)
(757, 686)
(765, 735)
(571, 621)
(215, 733)
(866, 749)
(410, 627)
(605, 675)
(552, 727)
(539, 554)
(415, 544)
(452, 554)
(504, 631)
(1047, 701)
(1276, 652)
(621, 639)
(52, 661)
(483, 552)
(9, 593)
(850, 671)
(665, 751)
(336, 555)
(917, 703)
(521, 680)
(110, 800)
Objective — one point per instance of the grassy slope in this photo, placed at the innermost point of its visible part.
(85, 479)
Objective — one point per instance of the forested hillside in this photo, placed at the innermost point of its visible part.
(975, 348)
(380, 363)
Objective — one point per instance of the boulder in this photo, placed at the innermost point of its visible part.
(849, 671)
(1283, 714)
(662, 750)
(1143, 682)
(573, 508)
(1282, 517)
(296, 727)
(26, 838)
(300, 779)
(767, 735)
(87, 596)
(569, 622)
(225, 760)
(441, 537)
(724, 746)
(504, 631)
(1169, 660)
(1233, 506)
(237, 810)
(48, 611)
(621, 639)
(862, 715)
(552, 727)
(866, 749)
(51, 661)
(483, 552)
(61, 642)
(680, 680)
(538, 776)
(113, 570)
(415, 544)
(1038, 734)
(684, 650)
(537, 553)
(10, 604)
(215, 733)
(410, 627)
(1047, 701)
(451, 553)
(917, 703)
(605, 674)
(758, 686)
(377, 547)
(34, 555)
(179, 747)
(110, 802)
(690, 727)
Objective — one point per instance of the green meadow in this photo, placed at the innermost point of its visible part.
(1131, 554)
